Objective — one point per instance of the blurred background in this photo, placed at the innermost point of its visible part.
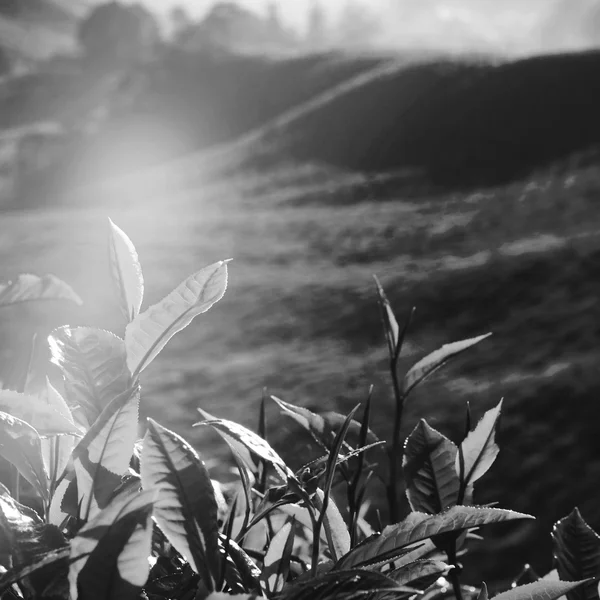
(448, 146)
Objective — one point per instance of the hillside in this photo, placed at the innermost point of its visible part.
(469, 122)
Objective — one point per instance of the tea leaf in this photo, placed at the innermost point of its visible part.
(432, 362)
(346, 585)
(41, 415)
(185, 509)
(276, 564)
(239, 449)
(126, 272)
(392, 330)
(20, 445)
(420, 574)
(24, 538)
(94, 367)
(577, 554)
(150, 331)
(428, 463)
(56, 451)
(479, 448)
(255, 444)
(541, 590)
(110, 553)
(336, 529)
(29, 288)
(322, 427)
(418, 527)
(102, 457)
(483, 592)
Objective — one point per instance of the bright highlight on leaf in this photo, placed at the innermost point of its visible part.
(126, 272)
(102, 457)
(41, 415)
(150, 331)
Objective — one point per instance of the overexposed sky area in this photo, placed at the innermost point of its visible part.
(514, 26)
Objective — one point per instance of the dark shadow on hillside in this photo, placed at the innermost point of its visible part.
(464, 123)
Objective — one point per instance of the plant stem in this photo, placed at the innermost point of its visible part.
(395, 448)
(454, 573)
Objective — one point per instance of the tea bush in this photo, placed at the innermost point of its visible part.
(90, 511)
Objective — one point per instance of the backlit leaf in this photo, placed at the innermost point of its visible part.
(479, 448)
(24, 539)
(150, 331)
(577, 554)
(41, 415)
(185, 508)
(94, 367)
(110, 553)
(20, 445)
(336, 529)
(276, 563)
(30, 288)
(102, 457)
(432, 362)
(126, 271)
(418, 527)
(541, 590)
(253, 442)
(428, 463)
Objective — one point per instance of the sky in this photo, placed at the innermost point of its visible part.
(508, 26)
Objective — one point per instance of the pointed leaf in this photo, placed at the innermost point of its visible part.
(29, 288)
(432, 362)
(420, 526)
(238, 448)
(277, 558)
(323, 427)
(392, 330)
(150, 331)
(541, 590)
(102, 457)
(24, 538)
(479, 448)
(577, 554)
(126, 271)
(254, 443)
(20, 445)
(185, 509)
(56, 451)
(346, 585)
(94, 366)
(483, 592)
(428, 463)
(336, 529)
(420, 574)
(41, 415)
(110, 553)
